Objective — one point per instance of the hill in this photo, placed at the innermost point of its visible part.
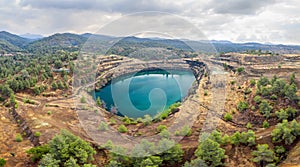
(65, 41)
(14, 39)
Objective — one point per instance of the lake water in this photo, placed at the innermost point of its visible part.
(147, 92)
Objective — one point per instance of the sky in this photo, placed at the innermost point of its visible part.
(265, 21)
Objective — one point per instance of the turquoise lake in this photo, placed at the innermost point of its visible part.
(148, 92)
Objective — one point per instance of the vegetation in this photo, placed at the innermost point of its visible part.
(242, 106)
(63, 150)
(263, 155)
(122, 129)
(210, 152)
(2, 162)
(228, 117)
(286, 131)
(19, 137)
(103, 126)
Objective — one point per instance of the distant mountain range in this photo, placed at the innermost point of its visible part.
(30, 43)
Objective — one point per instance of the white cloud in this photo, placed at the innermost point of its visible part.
(237, 20)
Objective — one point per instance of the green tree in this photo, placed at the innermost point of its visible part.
(265, 124)
(242, 106)
(196, 163)
(265, 108)
(48, 160)
(210, 152)
(171, 152)
(286, 132)
(38, 152)
(282, 114)
(66, 146)
(152, 161)
(290, 92)
(263, 154)
(103, 126)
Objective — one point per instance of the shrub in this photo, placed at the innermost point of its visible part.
(286, 132)
(228, 117)
(37, 153)
(247, 91)
(236, 138)
(19, 137)
(240, 70)
(2, 162)
(252, 82)
(265, 108)
(112, 121)
(82, 99)
(108, 145)
(249, 125)
(49, 112)
(282, 114)
(37, 134)
(165, 134)
(232, 82)
(147, 120)
(103, 126)
(210, 152)
(242, 106)
(122, 129)
(161, 128)
(205, 93)
(273, 97)
(265, 124)
(263, 154)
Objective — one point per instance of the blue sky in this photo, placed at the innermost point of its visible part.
(272, 21)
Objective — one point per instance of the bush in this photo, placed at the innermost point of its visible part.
(82, 99)
(161, 128)
(210, 152)
(2, 162)
(242, 106)
(185, 131)
(112, 121)
(265, 124)
(67, 148)
(286, 132)
(263, 154)
(247, 91)
(240, 70)
(232, 82)
(103, 126)
(273, 97)
(49, 112)
(37, 134)
(147, 120)
(249, 125)
(19, 137)
(228, 117)
(122, 129)
(165, 134)
(37, 153)
(265, 108)
(205, 93)
(252, 82)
